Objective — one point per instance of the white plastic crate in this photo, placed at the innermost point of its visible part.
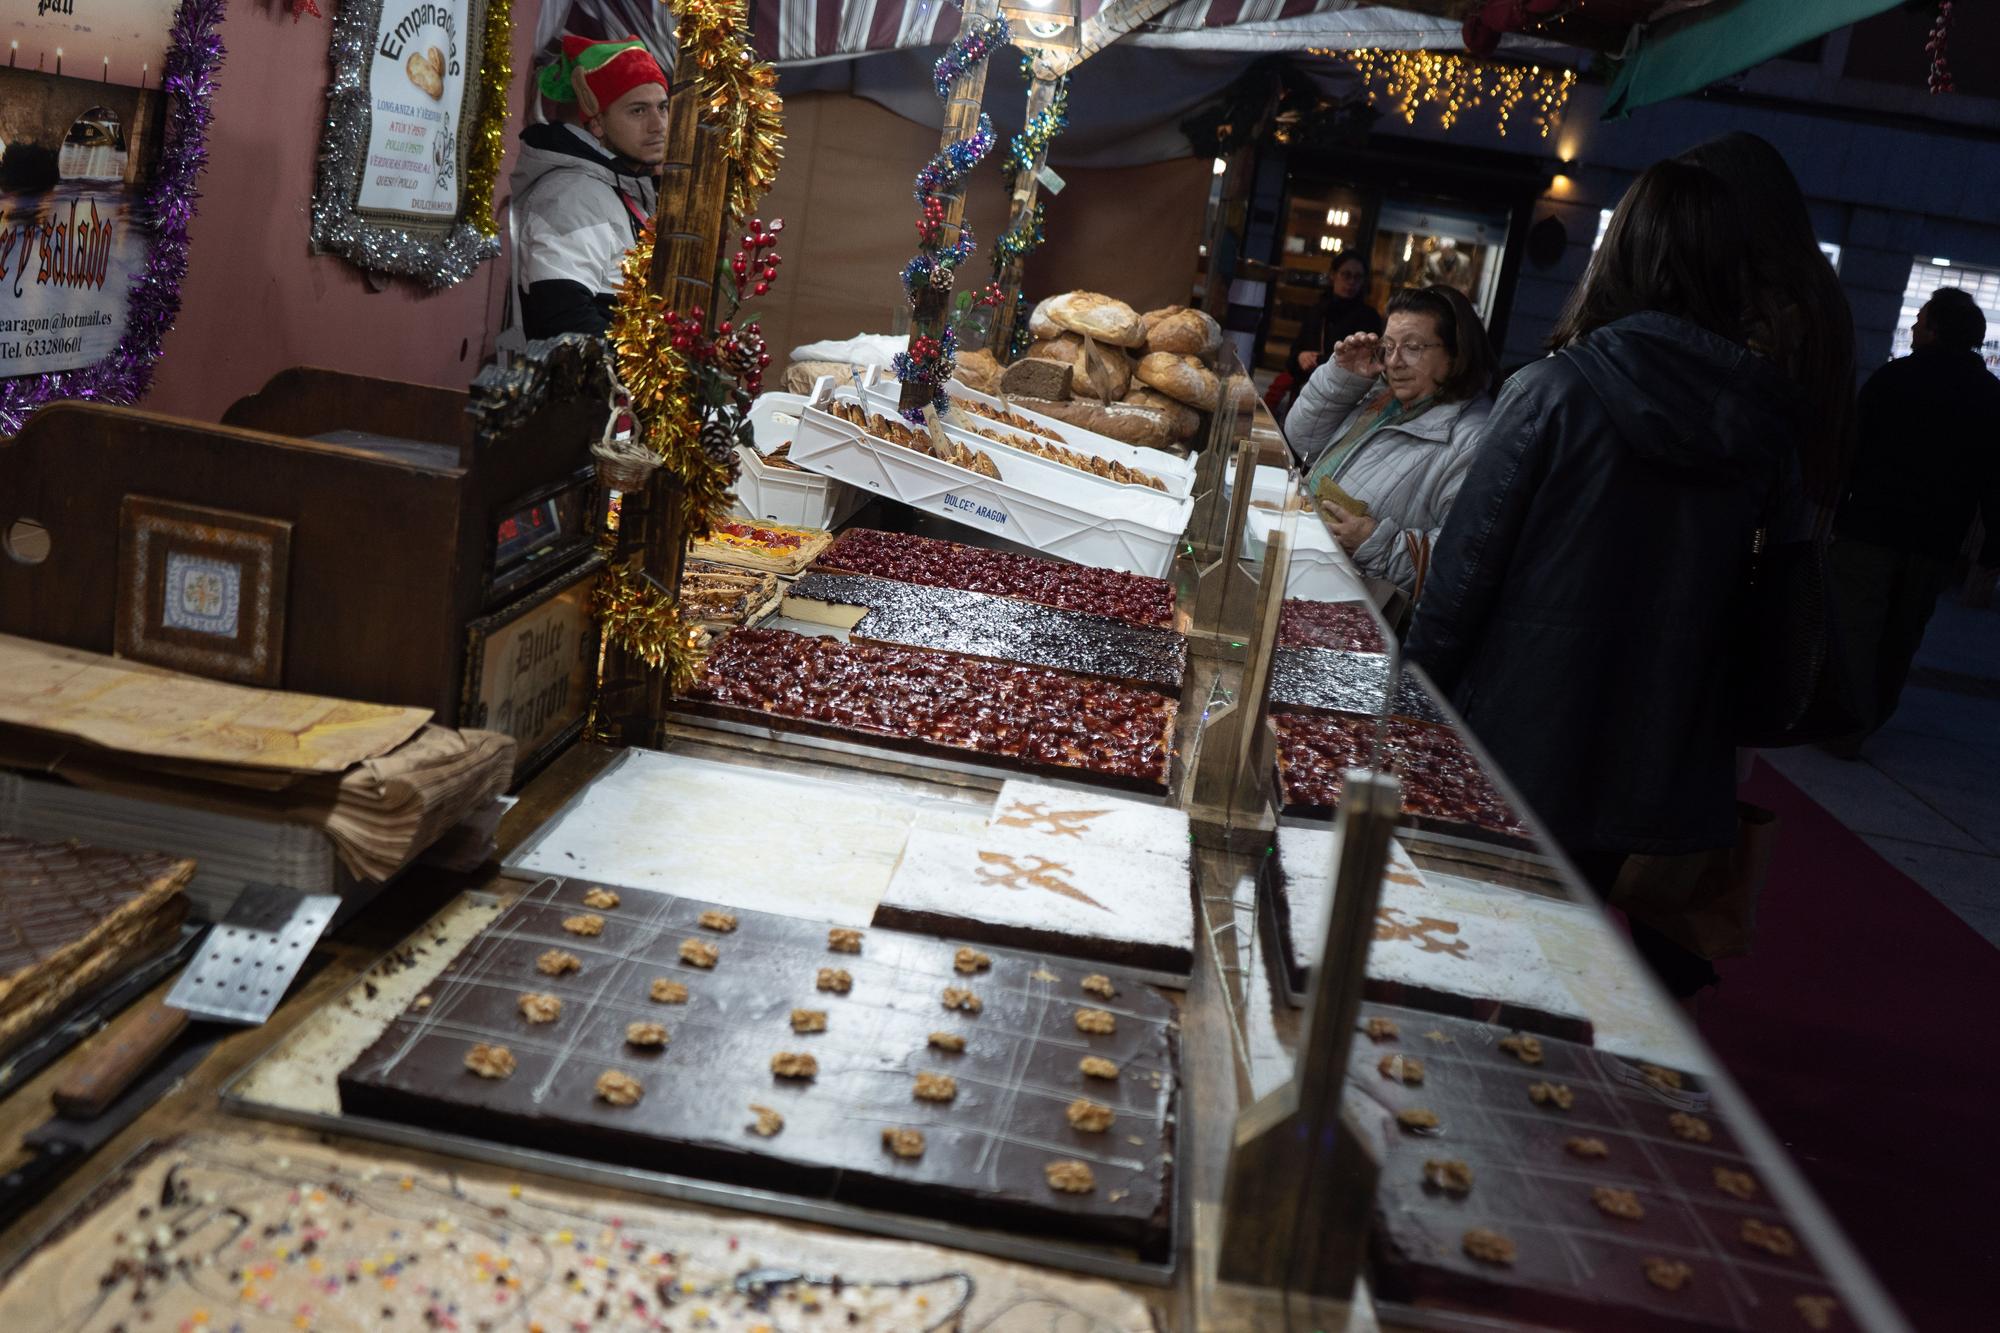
(1036, 503)
(1178, 473)
(782, 495)
(1318, 568)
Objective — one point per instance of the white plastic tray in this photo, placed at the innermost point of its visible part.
(781, 495)
(1178, 473)
(1037, 503)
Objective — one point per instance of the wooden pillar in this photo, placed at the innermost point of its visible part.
(687, 250)
(1021, 209)
(961, 119)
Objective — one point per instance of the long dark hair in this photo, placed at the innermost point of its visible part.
(1461, 332)
(1798, 313)
(1671, 246)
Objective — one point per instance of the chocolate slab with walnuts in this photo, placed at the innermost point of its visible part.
(991, 1137)
(1617, 1200)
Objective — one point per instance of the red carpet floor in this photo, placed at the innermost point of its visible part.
(1864, 1030)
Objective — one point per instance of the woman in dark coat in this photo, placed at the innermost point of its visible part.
(1581, 601)
(1344, 310)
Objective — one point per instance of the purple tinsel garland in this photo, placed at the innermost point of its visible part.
(188, 80)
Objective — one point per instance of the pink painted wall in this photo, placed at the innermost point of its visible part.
(256, 300)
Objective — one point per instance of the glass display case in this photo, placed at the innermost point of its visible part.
(1426, 1009)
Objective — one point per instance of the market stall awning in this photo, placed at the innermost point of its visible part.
(1685, 54)
(795, 32)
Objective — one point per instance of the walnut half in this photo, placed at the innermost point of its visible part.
(645, 1034)
(794, 1064)
(841, 940)
(904, 1142)
(1448, 1174)
(1668, 1274)
(1557, 1095)
(490, 1061)
(936, 1087)
(699, 953)
(956, 997)
(1488, 1246)
(538, 1007)
(768, 1122)
(1089, 1116)
(969, 961)
(1097, 1021)
(838, 980)
(808, 1020)
(619, 1088)
(1070, 1177)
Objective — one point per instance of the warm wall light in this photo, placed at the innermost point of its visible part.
(1559, 184)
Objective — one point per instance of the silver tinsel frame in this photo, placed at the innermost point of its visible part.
(442, 259)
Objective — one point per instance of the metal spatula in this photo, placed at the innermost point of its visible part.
(239, 976)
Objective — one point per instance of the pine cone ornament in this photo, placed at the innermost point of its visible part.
(718, 439)
(737, 356)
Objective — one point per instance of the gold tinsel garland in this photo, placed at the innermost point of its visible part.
(738, 94)
(663, 387)
(637, 616)
(489, 132)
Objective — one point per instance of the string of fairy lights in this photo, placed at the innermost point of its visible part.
(1458, 84)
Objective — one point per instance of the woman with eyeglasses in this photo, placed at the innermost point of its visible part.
(1387, 429)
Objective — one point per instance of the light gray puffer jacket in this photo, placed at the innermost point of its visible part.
(1407, 473)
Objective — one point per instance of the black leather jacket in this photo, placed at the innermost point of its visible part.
(1582, 600)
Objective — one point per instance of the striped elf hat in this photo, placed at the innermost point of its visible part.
(595, 74)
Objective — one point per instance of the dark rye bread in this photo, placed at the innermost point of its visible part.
(986, 1150)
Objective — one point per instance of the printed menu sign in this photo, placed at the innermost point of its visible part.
(80, 133)
(425, 57)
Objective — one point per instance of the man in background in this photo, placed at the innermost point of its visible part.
(1928, 459)
(583, 190)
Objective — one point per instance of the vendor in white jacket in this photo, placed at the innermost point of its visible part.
(582, 191)
(1387, 428)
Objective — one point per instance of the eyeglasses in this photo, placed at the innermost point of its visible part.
(1406, 351)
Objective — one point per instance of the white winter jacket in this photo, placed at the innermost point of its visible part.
(577, 210)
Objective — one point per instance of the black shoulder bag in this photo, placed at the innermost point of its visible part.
(1793, 685)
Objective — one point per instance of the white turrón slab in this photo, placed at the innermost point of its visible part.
(1025, 889)
(1437, 946)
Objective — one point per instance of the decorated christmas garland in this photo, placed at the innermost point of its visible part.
(194, 53)
(487, 141)
(928, 277)
(738, 93)
(691, 390)
(1027, 148)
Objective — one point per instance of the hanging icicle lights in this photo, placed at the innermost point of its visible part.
(1456, 84)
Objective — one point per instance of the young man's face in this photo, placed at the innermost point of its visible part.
(635, 125)
(1921, 333)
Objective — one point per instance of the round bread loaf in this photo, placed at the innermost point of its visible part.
(1182, 378)
(1102, 372)
(1188, 332)
(1184, 420)
(1105, 318)
(979, 370)
(1040, 326)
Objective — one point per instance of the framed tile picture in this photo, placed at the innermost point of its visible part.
(202, 590)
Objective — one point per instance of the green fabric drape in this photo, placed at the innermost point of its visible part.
(1682, 56)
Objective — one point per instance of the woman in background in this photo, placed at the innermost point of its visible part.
(1342, 312)
(1582, 604)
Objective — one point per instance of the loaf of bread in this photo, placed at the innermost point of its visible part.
(1180, 329)
(1037, 377)
(1105, 318)
(1183, 378)
(1119, 421)
(979, 370)
(1184, 421)
(1040, 326)
(1102, 372)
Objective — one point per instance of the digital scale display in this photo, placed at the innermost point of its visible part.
(550, 522)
